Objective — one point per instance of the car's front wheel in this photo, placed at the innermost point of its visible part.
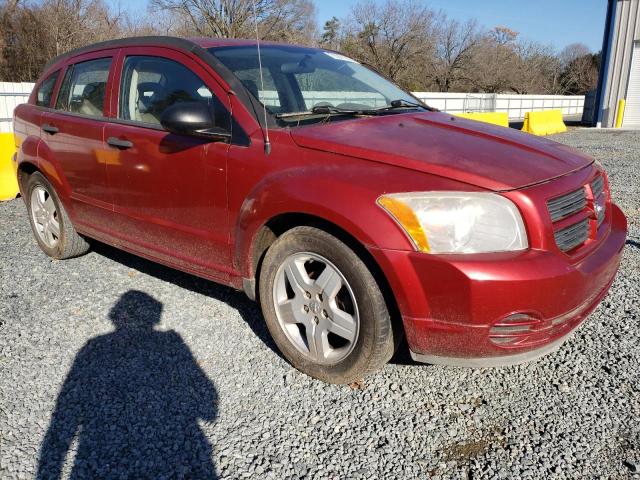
(323, 307)
(50, 222)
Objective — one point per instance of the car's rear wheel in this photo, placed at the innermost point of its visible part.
(323, 307)
(50, 223)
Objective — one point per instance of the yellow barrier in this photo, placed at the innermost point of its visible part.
(495, 118)
(620, 114)
(544, 123)
(8, 178)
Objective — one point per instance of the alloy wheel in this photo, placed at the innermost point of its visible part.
(316, 307)
(45, 216)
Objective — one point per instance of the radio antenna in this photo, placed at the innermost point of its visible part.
(265, 130)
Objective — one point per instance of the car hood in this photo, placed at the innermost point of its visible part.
(487, 156)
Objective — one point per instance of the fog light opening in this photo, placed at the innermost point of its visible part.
(514, 328)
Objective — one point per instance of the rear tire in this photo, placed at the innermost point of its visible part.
(50, 222)
(324, 308)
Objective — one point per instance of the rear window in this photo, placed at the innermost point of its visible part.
(45, 90)
(83, 88)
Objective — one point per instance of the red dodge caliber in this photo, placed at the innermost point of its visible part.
(351, 211)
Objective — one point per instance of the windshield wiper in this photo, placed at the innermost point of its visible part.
(330, 110)
(322, 110)
(406, 103)
(401, 103)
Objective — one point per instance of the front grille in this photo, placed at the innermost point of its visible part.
(570, 237)
(599, 199)
(577, 215)
(566, 205)
(597, 186)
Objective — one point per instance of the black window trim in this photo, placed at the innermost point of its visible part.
(68, 71)
(70, 67)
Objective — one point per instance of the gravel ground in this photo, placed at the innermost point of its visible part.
(113, 367)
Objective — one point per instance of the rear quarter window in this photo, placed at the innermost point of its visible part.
(45, 90)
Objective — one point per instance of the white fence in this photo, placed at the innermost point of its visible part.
(515, 105)
(11, 95)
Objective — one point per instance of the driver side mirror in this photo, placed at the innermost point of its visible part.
(194, 119)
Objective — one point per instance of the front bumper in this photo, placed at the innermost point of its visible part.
(452, 304)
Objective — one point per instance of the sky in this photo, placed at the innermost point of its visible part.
(551, 22)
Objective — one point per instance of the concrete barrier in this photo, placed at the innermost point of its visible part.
(8, 178)
(495, 118)
(544, 123)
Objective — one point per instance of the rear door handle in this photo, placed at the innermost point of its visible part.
(50, 129)
(119, 143)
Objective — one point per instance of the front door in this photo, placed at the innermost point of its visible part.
(169, 191)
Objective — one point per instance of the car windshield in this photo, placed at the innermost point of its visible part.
(313, 84)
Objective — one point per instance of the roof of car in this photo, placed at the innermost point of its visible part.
(189, 44)
(206, 42)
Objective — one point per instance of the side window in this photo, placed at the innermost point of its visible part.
(152, 84)
(250, 78)
(45, 90)
(83, 88)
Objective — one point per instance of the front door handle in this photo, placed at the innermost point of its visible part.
(50, 129)
(119, 143)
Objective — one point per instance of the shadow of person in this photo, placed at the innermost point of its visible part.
(248, 310)
(132, 401)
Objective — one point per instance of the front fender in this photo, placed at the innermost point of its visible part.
(342, 195)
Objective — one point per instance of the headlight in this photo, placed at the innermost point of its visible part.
(458, 222)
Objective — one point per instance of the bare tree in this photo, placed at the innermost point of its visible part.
(330, 37)
(494, 62)
(278, 19)
(539, 70)
(24, 41)
(450, 65)
(581, 68)
(393, 37)
(32, 33)
(572, 52)
(74, 23)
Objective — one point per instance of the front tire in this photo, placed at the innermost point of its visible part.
(50, 222)
(323, 307)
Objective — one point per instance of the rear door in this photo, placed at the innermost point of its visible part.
(169, 191)
(73, 135)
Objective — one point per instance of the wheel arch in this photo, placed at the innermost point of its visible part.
(25, 170)
(53, 172)
(277, 225)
